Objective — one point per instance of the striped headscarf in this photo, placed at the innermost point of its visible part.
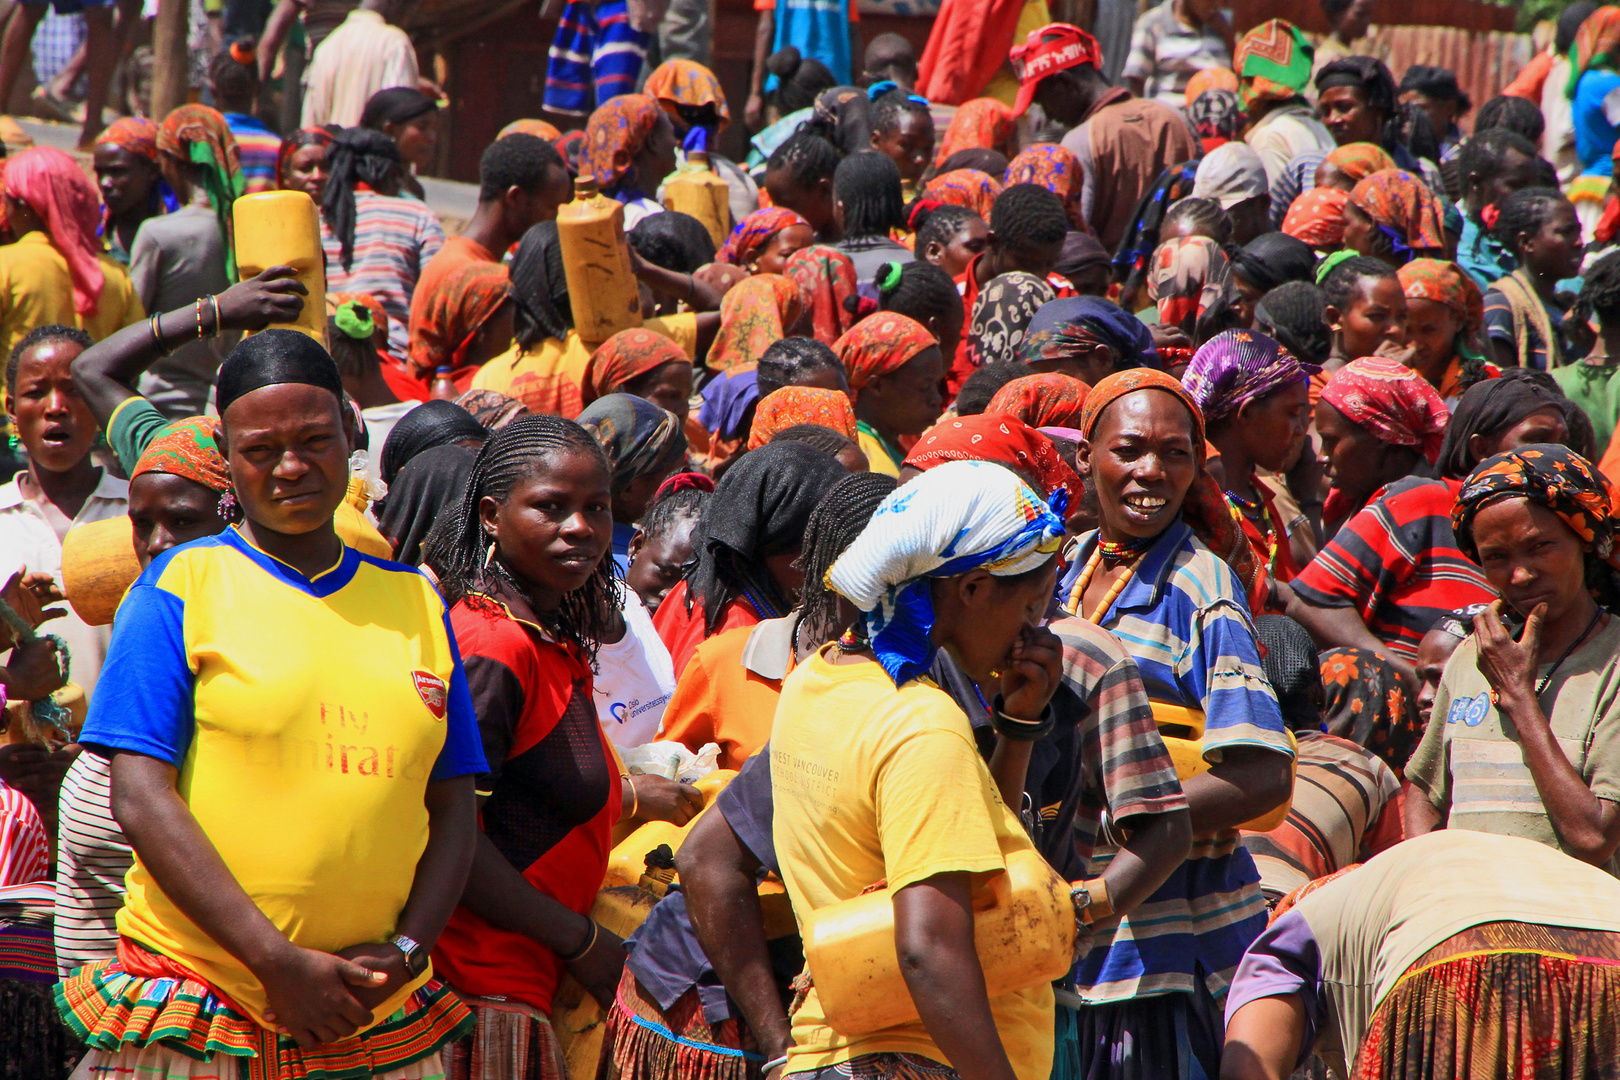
(200, 137)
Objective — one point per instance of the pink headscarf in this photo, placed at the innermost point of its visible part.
(54, 187)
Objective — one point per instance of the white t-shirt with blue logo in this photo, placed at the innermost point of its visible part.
(635, 677)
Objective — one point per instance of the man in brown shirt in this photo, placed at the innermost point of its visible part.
(1127, 140)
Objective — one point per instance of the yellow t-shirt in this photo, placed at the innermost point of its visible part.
(35, 290)
(878, 457)
(548, 379)
(875, 783)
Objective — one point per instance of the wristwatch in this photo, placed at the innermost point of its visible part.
(416, 957)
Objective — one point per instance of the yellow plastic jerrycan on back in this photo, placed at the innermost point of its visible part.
(628, 859)
(698, 191)
(1023, 930)
(1183, 732)
(282, 228)
(602, 288)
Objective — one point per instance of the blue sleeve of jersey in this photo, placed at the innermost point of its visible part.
(463, 752)
(144, 699)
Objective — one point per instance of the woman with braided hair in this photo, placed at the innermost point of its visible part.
(523, 559)
(1524, 318)
(376, 240)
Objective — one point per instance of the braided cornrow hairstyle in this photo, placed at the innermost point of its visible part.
(834, 524)
(458, 548)
(884, 113)
(1204, 215)
(939, 224)
(1600, 292)
(918, 290)
(1524, 211)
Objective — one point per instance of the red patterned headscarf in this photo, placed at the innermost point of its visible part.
(782, 409)
(1005, 440)
(880, 343)
(1056, 170)
(188, 448)
(623, 357)
(1042, 401)
(827, 277)
(1392, 401)
(753, 232)
(1317, 217)
(67, 202)
(686, 82)
(1205, 509)
(968, 188)
(1403, 208)
(980, 124)
(1188, 276)
(136, 134)
(1444, 282)
(755, 314)
(615, 134)
(455, 312)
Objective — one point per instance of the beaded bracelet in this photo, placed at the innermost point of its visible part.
(199, 319)
(157, 337)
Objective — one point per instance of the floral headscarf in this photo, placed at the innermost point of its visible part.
(1056, 170)
(1404, 209)
(1204, 79)
(980, 124)
(675, 83)
(1551, 476)
(827, 277)
(880, 344)
(1359, 160)
(623, 357)
(538, 128)
(1189, 276)
(1594, 45)
(1317, 217)
(454, 313)
(755, 314)
(967, 188)
(1205, 509)
(492, 408)
(1236, 367)
(1368, 704)
(636, 435)
(1002, 314)
(188, 448)
(1445, 282)
(615, 134)
(1006, 440)
(1273, 62)
(199, 135)
(753, 232)
(136, 134)
(791, 405)
(1392, 401)
(1042, 401)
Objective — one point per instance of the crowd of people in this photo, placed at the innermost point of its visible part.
(1200, 489)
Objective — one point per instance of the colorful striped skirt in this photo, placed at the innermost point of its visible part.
(508, 1041)
(167, 1025)
(1502, 999)
(885, 1066)
(645, 1042)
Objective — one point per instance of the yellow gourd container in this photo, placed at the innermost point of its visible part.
(602, 287)
(1023, 930)
(98, 567)
(1187, 754)
(628, 859)
(282, 228)
(698, 191)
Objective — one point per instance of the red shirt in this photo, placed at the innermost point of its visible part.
(683, 631)
(552, 795)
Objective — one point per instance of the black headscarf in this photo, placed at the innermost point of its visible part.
(1293, 669)
(271, 357)
(1489, 408)
(1272, 259)
(396, 105)
(539, 288)
(759, 508)
(429, 484)
(433, 423)
(357, 156)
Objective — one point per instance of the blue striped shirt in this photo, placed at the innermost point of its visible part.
(1183, 617)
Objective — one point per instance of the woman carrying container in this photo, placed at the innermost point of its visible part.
(963, 558)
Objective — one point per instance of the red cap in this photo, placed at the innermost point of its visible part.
(1053, 48)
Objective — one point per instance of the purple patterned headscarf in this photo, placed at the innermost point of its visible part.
(1238, 366)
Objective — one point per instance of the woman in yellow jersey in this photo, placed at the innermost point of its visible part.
(293, 746)
(876, 777)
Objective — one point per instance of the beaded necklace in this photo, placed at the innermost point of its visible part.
(1078, 593)
(1258, 516)
(1114, 552)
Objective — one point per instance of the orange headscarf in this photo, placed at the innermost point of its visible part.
(1215, 78)
(1050, 400)
(879, 344)
(967, 188)
(623, 357)
(755, 314)
(981, 124)
(615, 134)
(686, 82)
(791, 405)
(538, 128)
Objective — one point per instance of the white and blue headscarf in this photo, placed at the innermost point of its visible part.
(960, 516)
